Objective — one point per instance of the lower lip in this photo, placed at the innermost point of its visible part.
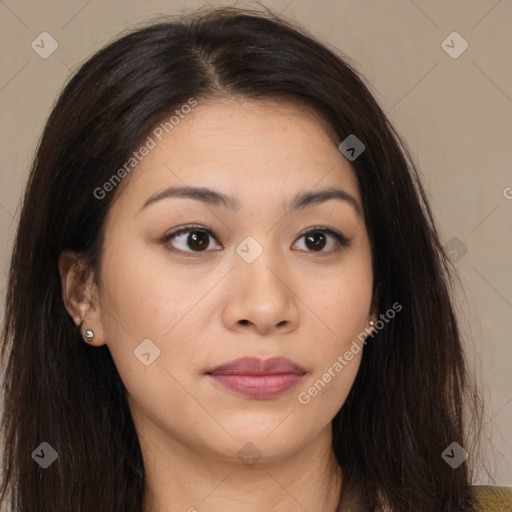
(258, 386)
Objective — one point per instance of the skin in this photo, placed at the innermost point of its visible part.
(294, 301)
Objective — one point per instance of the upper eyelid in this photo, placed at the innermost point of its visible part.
(198, 227)
(343, 241)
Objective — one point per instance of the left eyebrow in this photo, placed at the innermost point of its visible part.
(215, 198)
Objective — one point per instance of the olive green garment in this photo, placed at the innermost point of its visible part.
(486, 498)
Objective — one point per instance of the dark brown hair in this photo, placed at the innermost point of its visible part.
(407, 404)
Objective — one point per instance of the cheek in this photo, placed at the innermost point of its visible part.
(145, 297)
(342, 303)
(325, 391)
(337, 360)
(340, 306)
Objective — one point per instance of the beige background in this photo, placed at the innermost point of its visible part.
(456, 114)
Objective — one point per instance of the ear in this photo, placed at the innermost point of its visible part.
(374, 308)
(80, 294)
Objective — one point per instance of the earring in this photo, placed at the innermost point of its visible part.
(372, 323)
(89, 335)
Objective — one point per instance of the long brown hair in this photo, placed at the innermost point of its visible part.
(408, 400)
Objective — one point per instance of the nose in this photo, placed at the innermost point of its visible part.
(261, 297)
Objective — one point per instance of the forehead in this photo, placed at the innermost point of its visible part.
(254, 150)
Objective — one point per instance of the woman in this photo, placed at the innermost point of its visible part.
(227, 290)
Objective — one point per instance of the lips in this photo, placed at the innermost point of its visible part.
(257, 378)
(256, 366)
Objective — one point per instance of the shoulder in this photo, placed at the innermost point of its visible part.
(484, 498)
(490, 498)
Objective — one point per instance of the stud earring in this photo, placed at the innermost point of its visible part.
(372, 323)
(89, 335)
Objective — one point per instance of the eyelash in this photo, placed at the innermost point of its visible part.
(343, 242)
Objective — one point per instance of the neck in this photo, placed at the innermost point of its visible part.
(183, 478)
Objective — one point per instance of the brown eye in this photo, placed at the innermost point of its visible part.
(191, 239)
(317, 238)
(316, 241)
(198, 240)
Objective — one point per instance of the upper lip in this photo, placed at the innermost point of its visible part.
(257, 366)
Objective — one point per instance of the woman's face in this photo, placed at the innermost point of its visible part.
(173, 310)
